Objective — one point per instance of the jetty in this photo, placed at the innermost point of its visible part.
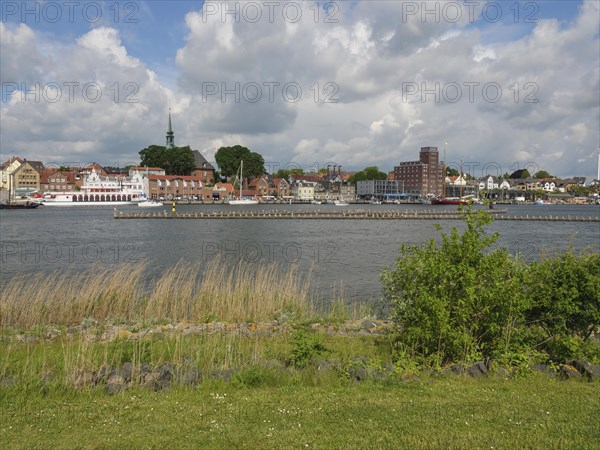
(356, 214)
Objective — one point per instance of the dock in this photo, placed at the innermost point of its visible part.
(358, 214)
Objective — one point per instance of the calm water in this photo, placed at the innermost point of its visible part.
(340, 252)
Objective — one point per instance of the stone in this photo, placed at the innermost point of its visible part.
(568, 372)
(191, 377)
(502, 373)
(477, 370)
(115, 384)
(543, 368)
(223, 375)
(151, 380)
(591, 372)
(126, 371)
(454, 369)
(358, 373)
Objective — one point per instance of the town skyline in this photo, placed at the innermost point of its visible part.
(357, 84)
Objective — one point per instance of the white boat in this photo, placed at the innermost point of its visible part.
(151, 203)
(240, 200)
(97, 191)
(316, 202)
(341, 203)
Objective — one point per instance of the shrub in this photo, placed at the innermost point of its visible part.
(306, 346)
(459, 301)
(456, 301)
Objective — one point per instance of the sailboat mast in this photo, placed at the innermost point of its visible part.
(460, 180)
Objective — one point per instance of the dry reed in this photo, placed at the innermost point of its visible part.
(224, 291)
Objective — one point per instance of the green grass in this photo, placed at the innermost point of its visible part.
(443, 413)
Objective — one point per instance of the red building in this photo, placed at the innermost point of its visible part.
(424, 176)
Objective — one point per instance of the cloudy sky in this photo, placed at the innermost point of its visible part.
(501, 86)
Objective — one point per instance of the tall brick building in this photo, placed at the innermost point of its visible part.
(424, 176)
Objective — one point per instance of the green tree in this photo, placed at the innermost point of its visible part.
(451, 172)
(543, 174)
(229, 158)
(175, 161)
(154, 156)
(520, 174)
(368, 173)
(285, 173)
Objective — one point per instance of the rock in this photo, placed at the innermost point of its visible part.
(454, 369)
(223, 375)
(477, 370)
(115, 384)
(126, 371)
(358, 373)
(191, 377)
(502, 373)
(104, 374)
(326, 365)
(151, 380)
(591, 372)
(543, 368)
(568, 372)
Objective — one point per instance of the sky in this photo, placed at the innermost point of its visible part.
(498, 86)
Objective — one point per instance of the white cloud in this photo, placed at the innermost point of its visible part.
(368, 54)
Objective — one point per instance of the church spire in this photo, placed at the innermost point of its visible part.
(170, 134)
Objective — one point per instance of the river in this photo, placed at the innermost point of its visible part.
(340, 253)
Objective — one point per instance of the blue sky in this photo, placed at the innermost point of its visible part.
(172, 50)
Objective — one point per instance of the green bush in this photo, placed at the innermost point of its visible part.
(461, 301)
(306, 346)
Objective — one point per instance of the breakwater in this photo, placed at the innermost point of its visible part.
(499, 214)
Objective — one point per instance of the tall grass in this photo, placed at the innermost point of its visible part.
(219, 291)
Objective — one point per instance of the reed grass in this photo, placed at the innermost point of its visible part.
(221, 290)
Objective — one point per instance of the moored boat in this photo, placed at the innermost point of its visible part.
(96, 191)
(151, 203)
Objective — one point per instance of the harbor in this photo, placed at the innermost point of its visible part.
(356, 214)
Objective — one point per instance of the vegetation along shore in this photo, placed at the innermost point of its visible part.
(473, 348)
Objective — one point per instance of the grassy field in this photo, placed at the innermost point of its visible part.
(442, 413)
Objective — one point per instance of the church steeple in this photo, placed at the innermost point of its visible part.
(170, 134)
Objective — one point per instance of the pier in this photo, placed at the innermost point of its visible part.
(344, 215)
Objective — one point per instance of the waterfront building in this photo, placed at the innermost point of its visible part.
(304, 191)
(368, 189)
(53, 180)
(174, 187)
(202, 168)
(423, 177)
(147, 170)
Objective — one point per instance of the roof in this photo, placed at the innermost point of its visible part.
(173, 177)
(200, 162)
(8, 162)
(37, 165)
(143, 168)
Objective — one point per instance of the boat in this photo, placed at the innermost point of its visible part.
(540, 202)
(341, 203)
(20, 205)
(316, 202)
(240, 200)
(150, 203)
(97, 191)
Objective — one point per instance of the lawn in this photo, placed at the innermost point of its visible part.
(455, 412)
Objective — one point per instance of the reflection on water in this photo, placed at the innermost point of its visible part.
(348, 253)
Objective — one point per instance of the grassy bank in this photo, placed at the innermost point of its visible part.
(453, 413)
